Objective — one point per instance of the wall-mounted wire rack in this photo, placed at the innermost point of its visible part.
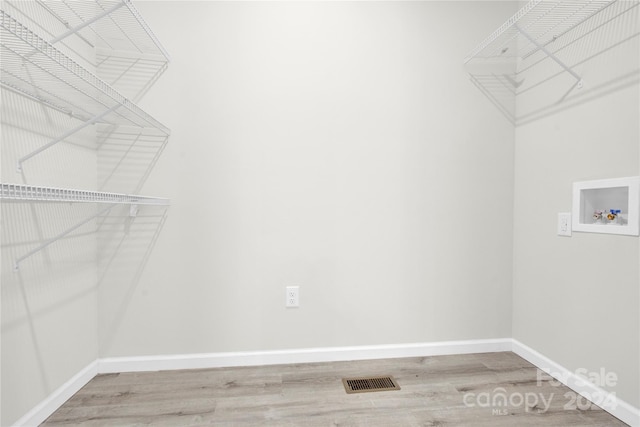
(122, 48)
(47, 55)
(538, 43)
(540, 22)
(126, 157)
(33, 193)
(34, 68)
(38, 194)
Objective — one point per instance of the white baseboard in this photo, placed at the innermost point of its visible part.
(48, 406)
(307, 355)
(609, 401)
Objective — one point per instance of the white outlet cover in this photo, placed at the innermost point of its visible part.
(292, 296)
(564, 224)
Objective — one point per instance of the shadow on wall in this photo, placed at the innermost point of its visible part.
(57, 284)
(600, 51)
(66, 253)
(58, 279)
(126, 238)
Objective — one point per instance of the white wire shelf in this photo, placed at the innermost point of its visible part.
(32, 193)
(34, 68)
(128, 55)
(543, 21)
(47, 50)
(542, 51)
(126, 157)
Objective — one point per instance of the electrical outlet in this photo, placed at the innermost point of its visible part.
(293, 296)
(564, 224)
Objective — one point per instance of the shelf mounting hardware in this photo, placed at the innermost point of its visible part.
(65, 136)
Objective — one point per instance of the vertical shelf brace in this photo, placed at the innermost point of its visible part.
(64, 136)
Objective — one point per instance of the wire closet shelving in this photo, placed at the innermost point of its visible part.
(122, 48)
(539, 42)
(540, 22)
(33, 193)
(47, 51)
(34, 67)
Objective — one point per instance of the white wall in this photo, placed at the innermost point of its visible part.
(576, 299)
(49, 307)
(338, 146)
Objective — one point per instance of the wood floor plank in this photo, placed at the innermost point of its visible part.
(491, 389)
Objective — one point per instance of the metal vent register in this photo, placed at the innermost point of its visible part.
(369, 384)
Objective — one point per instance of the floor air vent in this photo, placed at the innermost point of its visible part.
(369, 384)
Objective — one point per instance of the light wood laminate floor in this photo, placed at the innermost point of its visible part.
(436, 391)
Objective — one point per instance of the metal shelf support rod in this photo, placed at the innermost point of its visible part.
(16, 266)
(65, 136)
(551, 55)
